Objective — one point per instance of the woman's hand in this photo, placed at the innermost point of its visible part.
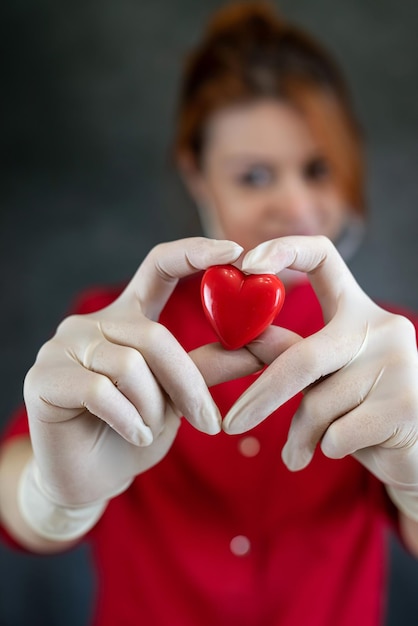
(359, 374)
(105, 394)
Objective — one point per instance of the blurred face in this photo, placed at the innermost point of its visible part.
(263, 176)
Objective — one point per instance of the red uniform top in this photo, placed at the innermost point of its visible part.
(220, 533)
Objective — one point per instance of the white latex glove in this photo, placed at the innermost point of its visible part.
(359, 374)
(105, 394)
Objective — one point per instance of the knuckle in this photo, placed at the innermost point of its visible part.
(130, 363)
(159, 249)
(326, 246)
(30, 381)
(157, 333)
(401, 324)
(69, 324)
(399, 334)
(395, 325)
(309, 363)
(99, 387)
(45, 351)
(311, 410)
(331, 444)
(325, 241)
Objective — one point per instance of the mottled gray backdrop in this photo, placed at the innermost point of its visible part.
(87, 187)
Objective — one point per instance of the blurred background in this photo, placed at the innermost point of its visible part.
(88, 187)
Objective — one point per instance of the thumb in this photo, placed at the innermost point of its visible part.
(160, 271)
(218, 365)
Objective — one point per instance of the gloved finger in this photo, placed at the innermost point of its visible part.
(158, 274)
(73, 389)
(382, 383)
(172, 367)
(218, 365)
(381, 419)
(146, 457)
(301, 365)
(124, 461)
(393, 466)
(104, 472)
(129, 372)
(317, 256)
(324, 404)
(271, 343)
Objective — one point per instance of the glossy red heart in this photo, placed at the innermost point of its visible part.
(240, 306)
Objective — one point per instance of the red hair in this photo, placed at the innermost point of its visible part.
(249, 52)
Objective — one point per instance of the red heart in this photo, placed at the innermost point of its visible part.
(240, 306)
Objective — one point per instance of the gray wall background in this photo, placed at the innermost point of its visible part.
(87, 188)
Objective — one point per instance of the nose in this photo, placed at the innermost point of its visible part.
(291, 200)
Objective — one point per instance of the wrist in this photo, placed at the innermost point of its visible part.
(48, 519)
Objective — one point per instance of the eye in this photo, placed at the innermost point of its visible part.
(257, 176)
(316, 169)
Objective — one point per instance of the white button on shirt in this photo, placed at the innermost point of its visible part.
(249, 446)
(240, 545)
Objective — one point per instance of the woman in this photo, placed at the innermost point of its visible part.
(198, 520)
